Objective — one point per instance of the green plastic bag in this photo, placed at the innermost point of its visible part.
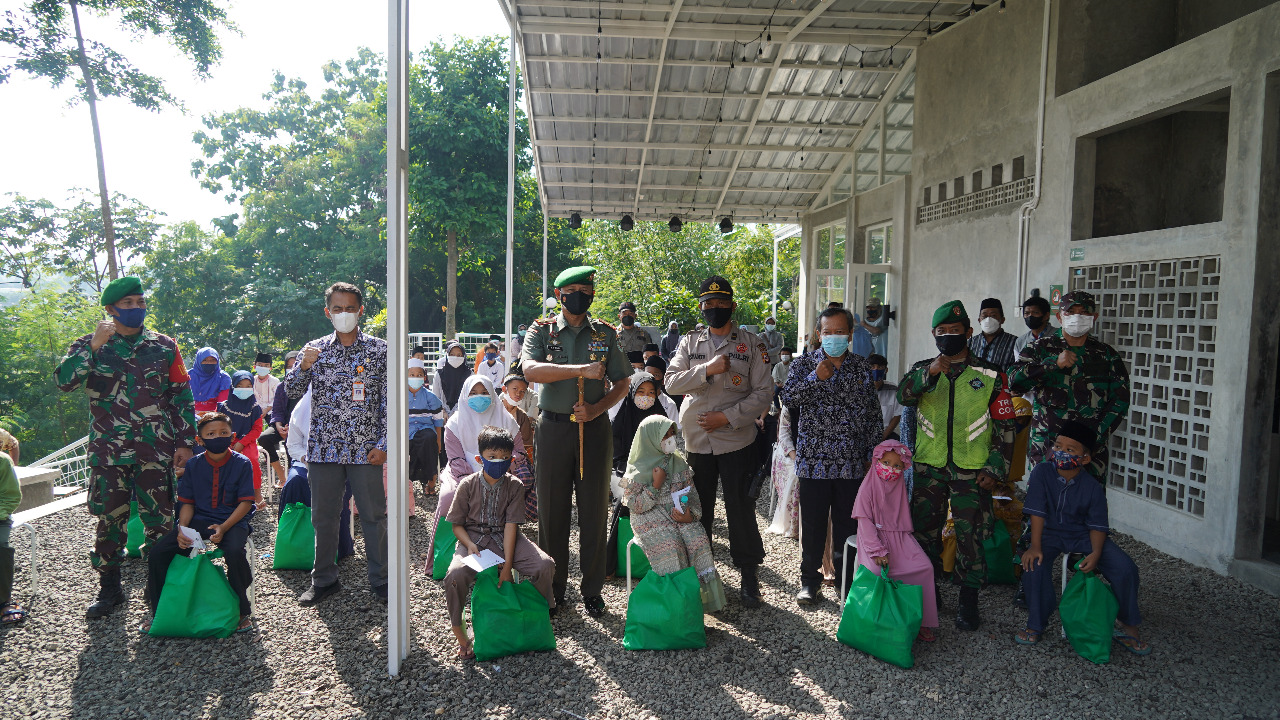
(882, 616)
(639, 563)
(1088, 611)
(197, 601)
(295, 539)
(137, 533)
(442, 549)
(998, 551)
(664, 612)
(510, 619)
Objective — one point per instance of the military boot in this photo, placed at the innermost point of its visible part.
(110, 594)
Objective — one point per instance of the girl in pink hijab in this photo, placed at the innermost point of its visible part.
(883, 513)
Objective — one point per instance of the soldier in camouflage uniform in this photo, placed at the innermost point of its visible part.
(1072, 375)
(142, 426)
(963, 442)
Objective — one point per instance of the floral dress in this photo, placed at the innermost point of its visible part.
(786, 514)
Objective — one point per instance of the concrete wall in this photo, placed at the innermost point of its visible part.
(996, 56)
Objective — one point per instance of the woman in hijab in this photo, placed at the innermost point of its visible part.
(640, 403)
(453, 371)
(209, 384)
(885, 538)
(246, 424)
(671, 536)
(478, 407)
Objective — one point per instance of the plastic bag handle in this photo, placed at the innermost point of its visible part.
(884, 574)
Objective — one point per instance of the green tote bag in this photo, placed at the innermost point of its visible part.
(1088, 611)
(442, 549)
(998, 552)
(664, 612)
(295, 539)
(137, 534)
(639, 563)
(510, 619)
(882, 616)
(197, 601)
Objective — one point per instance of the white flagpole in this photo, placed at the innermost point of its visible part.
(397, 332)
(511, 190)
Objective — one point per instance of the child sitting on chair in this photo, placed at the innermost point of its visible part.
(216, 499)
(487, 507)
(1068, 509)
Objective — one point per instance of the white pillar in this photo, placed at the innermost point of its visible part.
(543, 298)
(511, 189)
(397, 332)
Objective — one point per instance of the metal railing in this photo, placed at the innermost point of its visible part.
(72, 461)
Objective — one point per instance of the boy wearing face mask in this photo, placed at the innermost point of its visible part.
(491, 364)
(779, 372)
(993, 344)
(963, 444)
(631, 336)
(1072, 375)
(1035, 315)
(487, 510)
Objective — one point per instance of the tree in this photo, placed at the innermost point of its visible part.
(20, 221)
(45, 45)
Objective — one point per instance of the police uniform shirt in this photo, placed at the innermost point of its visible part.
(741, 394)
(556, 341)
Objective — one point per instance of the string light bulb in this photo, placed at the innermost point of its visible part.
(627, 223)
(575, 221)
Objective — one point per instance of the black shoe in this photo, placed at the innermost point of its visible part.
(381, 593)
(967, 614)
(315, 594)
(110, 593)
(809, 595)
(749, 593)
(1020, 599)
(594, 606)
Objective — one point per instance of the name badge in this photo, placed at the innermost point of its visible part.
(357, 390)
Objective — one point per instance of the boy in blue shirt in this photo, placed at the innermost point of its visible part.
(1068, 509)
(216, 499)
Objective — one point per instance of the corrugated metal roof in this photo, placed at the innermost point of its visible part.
(706, 108)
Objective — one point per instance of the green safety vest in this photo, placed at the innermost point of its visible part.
(954, 422)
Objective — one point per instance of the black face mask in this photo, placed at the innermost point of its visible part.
(872, 314)
(628, 320)
(576, 303)
(1034, 322)
(950, 345)
(217, 445)
(717, 317)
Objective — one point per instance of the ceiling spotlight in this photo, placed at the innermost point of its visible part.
(726, 225)
(627, 223)
(1001, 5)
(675, 224)
(575, 221)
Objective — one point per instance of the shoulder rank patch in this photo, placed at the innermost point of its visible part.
(762, 346)
(604, 323)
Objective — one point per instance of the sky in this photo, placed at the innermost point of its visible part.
(48, 147)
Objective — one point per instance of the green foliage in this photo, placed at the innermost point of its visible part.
(659, 270)
(34, 335)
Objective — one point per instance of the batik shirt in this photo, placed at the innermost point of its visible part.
(140, 405)
(1094, 391)
(841, 419)
(344, 429)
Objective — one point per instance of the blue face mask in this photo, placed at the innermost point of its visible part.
(496, 468)
(131, 317)
(479, 403)
(242, 393)
(835, 345)
(878, 374)
(491, 356)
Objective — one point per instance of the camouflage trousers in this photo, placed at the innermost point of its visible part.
(111, 487)
(934, 488)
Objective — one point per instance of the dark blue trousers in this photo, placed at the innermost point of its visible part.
(1115, 565)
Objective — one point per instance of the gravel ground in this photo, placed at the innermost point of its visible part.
(1217, 655)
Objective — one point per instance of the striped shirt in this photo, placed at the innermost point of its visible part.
(998, 351)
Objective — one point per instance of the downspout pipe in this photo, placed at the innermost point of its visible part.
(1029, 208)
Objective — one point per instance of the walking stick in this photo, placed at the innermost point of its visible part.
(581, 433)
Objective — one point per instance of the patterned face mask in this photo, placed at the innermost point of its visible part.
(644, 402)
(1067, 461)
(887, 473)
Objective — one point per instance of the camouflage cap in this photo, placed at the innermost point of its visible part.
(1081, 298)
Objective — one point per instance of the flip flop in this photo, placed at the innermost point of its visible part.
(1027, 636)
(468, 654)
(927, 635)
(243, 628)
(13, 614)
(1131, 643)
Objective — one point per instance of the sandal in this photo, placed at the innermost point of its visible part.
(12, 614)
(467, 653)
(1132, 644)
(927, 635)
(1027, 636)
(246, 624)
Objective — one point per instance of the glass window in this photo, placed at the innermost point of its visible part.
(876, 286)
(824, 249)
(837, 249)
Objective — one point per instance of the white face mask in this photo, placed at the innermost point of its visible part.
(456, 361)
(668, 445)
(344, 322)
(786, 358)
(262, 371)
(1077, 325)
(989, 325)
(769, 326)
(644, 402)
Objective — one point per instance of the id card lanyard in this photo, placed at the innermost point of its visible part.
(357, 385)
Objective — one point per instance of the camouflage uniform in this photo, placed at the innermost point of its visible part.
(1094, 391)
(934, 487)
(141, 411)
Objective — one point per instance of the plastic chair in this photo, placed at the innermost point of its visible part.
(1066, 567)
(251, 551)
(35, 565)
(634, 541)
(851, 543)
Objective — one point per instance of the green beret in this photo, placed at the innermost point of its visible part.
(950, 312)
(582, 275)
(119, 288)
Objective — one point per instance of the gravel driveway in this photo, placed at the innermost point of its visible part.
(1216, 654)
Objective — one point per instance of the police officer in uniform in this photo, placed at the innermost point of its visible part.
(632, 337)
(723, 372)
(556, 352)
